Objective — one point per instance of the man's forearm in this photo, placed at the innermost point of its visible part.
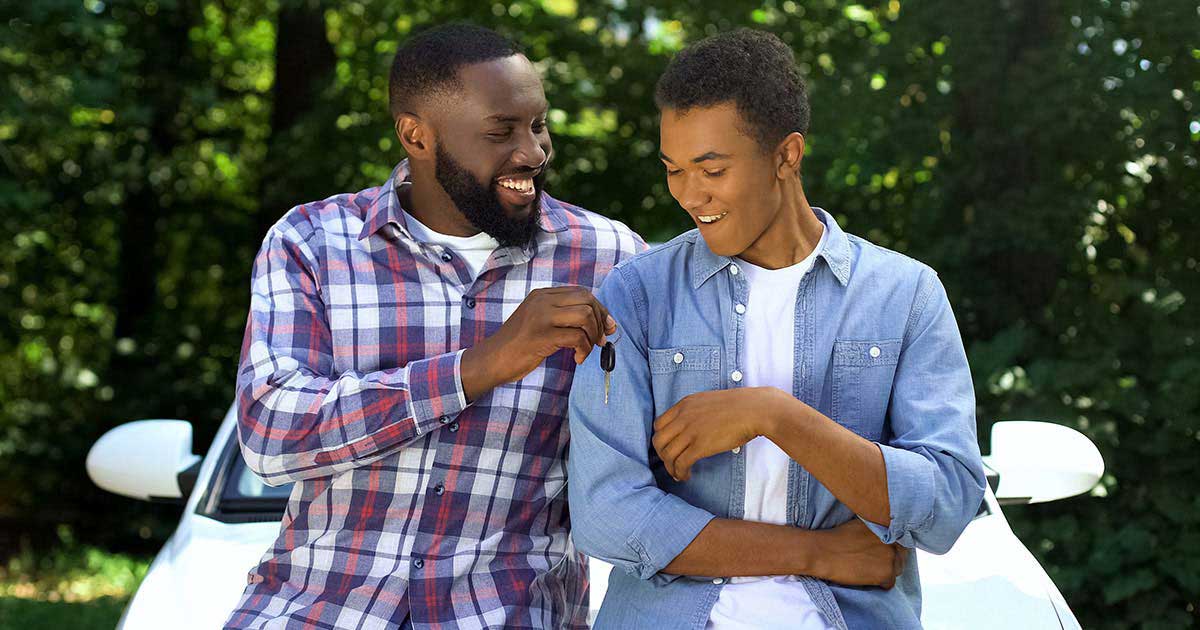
(850, 466)
(727, 547)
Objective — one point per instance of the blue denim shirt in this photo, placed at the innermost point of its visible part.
(877, 350)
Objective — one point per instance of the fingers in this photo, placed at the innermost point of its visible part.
(573, 338)
(578, 316)
(669, 453)
(572, 296)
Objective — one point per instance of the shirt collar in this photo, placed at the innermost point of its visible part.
(386, 208)
(836, 253)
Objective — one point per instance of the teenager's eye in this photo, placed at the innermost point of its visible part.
(717, 173)
(500, 136)
(671, 172)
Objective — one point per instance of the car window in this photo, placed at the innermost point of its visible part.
(244, 484)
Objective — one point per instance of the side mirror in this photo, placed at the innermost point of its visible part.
(147, 460)
(1040, 461)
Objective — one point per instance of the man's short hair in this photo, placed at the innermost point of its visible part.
(752, 69)
(428, 62)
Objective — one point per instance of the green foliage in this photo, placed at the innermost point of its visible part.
(75, 586)
(1042, 155)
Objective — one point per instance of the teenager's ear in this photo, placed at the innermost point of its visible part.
(416, 136)
(789, 154)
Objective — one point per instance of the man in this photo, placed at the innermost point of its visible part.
(407, 362)
(791, 410)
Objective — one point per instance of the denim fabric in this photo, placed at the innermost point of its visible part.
(876, 349)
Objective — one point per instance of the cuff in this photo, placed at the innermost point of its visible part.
(435, 391)
(910, 480)
(670, 526)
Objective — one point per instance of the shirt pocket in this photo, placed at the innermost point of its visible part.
(682, 370)
(862, 384)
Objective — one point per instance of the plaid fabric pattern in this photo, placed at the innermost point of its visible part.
(408, 502)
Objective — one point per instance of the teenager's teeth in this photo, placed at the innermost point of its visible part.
(711, 217)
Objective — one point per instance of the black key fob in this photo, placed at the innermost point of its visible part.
(608, 357)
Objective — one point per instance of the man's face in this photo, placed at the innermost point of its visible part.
(721, 177)
(493, 147)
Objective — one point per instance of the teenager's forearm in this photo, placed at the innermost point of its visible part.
(730, 548)
(849, 466)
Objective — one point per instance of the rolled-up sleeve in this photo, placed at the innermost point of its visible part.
(618, 513)
(935, 473)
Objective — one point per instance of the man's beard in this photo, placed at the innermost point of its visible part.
(480, 205)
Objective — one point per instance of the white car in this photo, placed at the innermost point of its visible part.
(988, 580)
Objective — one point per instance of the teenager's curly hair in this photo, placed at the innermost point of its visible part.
(752, 69)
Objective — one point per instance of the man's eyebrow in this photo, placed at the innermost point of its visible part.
(509, 118)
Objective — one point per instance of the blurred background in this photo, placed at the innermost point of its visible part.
(1041, 154)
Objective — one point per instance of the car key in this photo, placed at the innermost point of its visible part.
(608, 362)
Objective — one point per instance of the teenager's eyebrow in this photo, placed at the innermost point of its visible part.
(711, 155)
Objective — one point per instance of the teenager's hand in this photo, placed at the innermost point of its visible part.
(853, 555)
(707, 423)
(545, 322)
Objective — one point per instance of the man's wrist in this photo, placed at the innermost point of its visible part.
(476, 371)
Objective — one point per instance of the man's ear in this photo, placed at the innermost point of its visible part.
(789, 154)
(415, 136)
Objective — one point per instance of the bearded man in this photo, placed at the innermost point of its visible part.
(407, 361)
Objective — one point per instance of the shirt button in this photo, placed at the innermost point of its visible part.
(678, 358)
(740, 308)
(737, 449)
(718, 580)
(733, 270)
(454, 427)
(470, 302)
(444, 419)
(736, 376)
(439, 489)
(419, 563)
(446, 256)
(874, 352)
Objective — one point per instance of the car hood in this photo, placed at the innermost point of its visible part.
(200, 574)
(989, 580)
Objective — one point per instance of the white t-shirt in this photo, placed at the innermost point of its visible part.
(474, 250)
(776, 601)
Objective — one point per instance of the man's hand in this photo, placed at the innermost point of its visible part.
(854, 556)
(707, 423)
(545, 322)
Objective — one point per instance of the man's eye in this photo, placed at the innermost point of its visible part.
(715, 173)
(539, 126)
(500, 135)
(671, 172)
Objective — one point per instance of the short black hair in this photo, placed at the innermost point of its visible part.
(429, 61)
(754, 70)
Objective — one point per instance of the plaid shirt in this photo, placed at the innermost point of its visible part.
(407, 500)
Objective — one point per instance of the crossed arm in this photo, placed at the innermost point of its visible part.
(918, 490)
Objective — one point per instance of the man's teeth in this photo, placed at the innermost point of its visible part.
(709, 218)
(522, 185)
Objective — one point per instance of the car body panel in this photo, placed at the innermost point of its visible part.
(988, 580)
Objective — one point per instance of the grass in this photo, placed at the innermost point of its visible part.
(70, 586)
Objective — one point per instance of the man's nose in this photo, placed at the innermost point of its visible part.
(529, 152)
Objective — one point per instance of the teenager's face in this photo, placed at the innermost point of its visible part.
(721, 177)
(493, 147)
